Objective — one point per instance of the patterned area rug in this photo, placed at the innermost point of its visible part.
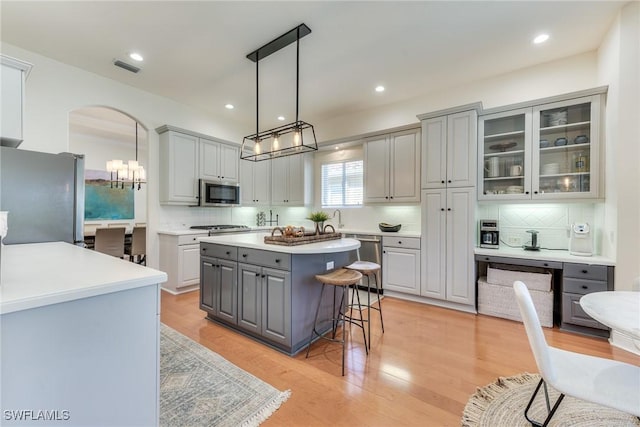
(200, 388)
(502, 403)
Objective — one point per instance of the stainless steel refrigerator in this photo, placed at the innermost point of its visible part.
(44, 195)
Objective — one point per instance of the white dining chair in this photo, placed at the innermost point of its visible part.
(594, 379)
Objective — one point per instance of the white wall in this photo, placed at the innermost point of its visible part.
(622, 211)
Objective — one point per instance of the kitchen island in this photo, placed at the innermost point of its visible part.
(267, 291)
(79, 337)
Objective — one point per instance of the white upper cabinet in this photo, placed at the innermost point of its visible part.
(449, 153)
(218, 162)
(291, 180)
(186, 157)
(255, 183)
(544, 152)
(392, 168)
(13, 73)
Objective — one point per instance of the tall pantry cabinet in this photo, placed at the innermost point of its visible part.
(449, 140)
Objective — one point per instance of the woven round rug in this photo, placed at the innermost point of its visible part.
(502, 403)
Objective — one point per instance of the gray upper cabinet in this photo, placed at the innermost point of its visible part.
(449, 150)
(13, 74)
(392, 168)
(186, 157)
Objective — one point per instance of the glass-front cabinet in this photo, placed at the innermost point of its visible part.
(549, 151)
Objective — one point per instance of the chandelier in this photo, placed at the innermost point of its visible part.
(293, 138)
(127, 173)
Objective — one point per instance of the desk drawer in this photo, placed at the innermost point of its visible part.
(277, 260)
(401, 242)
(585, 271)
(187, 239)
(219, 251)
(573, 313)
(582, 287)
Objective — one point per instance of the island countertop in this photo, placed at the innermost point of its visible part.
(256, 241)
(40, 274)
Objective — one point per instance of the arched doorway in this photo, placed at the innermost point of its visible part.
(103, 134)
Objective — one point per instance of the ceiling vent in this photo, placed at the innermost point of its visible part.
(126, 66)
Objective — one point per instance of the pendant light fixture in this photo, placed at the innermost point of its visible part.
(131, 172)
(293, 138)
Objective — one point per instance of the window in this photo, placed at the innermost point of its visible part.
(342, 183)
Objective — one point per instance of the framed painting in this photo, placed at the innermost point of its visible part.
(104, 200)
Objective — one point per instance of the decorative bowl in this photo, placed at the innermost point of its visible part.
(560, 141)
(544, 143)
(383, 226)
(581, 139)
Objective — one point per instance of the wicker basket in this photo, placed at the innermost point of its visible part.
(539, 281)
(500, 301)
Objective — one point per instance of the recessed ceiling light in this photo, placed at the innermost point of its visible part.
(281, 118)
(380, 88)
(136, 56)
(541, 38)
(337, 147)
(229, 106)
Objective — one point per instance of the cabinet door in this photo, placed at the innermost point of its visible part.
(12, 80)
(179, 177)
(434, 232)
(459, 247)
(434, 152)
(209, 160)
(276, 306)
(280, 181)
(401, 270)
(188, 265)
(404, 180)
(229, 158)
(207, 284)
(227, 298)
(296, 194)
(461, 149)
(246, 182)
(262, 183)
(249, 298)
(565, 148)
(376, 170)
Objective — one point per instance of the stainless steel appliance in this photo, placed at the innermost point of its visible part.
(370, 250)
(489, 234)
(214, 193)
(581, 241)
(44, 194)
(223, 228)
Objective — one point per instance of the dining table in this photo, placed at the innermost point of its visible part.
(619, 310)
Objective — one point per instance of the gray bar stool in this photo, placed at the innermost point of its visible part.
(368, 269)
(341, 278)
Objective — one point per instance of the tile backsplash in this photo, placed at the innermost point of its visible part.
(552, 221)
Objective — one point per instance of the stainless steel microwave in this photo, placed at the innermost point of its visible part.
(214, 193)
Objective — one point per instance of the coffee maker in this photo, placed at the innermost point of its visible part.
(581, 241)
(489, 234)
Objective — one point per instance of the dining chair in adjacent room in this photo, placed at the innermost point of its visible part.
(138, 246)
(594, 379)
(110, 241)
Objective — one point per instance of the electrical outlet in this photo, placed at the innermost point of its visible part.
(514, 239)
(330, 265)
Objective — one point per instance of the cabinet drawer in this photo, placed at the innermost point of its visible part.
(585, 271)
(582, 287)
(401, 242)
(190, 238)
(278, 260)
(219, 251)
(573, 313)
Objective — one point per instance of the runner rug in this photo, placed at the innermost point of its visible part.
(503, 402)
(200, 388)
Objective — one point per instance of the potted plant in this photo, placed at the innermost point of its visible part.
(319, 218)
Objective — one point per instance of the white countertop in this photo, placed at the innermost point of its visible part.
(374, 232)
(544, 255)
(40, 274)
(256, 241)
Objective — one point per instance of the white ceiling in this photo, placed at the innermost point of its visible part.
(195, 52)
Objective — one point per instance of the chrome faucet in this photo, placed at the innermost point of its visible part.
(340, 224)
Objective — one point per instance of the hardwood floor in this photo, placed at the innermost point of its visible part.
(421, 371)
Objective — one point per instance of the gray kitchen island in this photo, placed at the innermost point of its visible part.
(267, 291)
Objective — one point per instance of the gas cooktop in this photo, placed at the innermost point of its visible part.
(222, 228)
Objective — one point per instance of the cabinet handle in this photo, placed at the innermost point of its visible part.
(449, 181)
(391, 197)
(442, 209)
(386, 197)
(585, 271)
(487, 259)
(278, 260)
(442, 182)
(263, 276)
(526, 192)
(204, 249)
(585, 287)
(228, 253)
(448, 209)
(399, 242)
(244, 255)
(257, 274)
(535, 192)
(545, 264)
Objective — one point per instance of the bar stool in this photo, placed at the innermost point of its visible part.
(341, 278)
(368, 269)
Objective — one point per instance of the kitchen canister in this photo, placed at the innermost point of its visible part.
(492, 167)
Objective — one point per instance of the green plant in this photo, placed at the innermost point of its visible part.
(318, 216)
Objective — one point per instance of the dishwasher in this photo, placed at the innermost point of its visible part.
(370, 250)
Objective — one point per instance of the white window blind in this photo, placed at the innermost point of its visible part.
(342, 183)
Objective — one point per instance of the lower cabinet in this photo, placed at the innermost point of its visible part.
(219, 290)
(401, 264)
(180, 259)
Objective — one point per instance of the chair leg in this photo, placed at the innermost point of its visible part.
(551, 413)
(378, 288)
(364, 336)
(343, 303)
